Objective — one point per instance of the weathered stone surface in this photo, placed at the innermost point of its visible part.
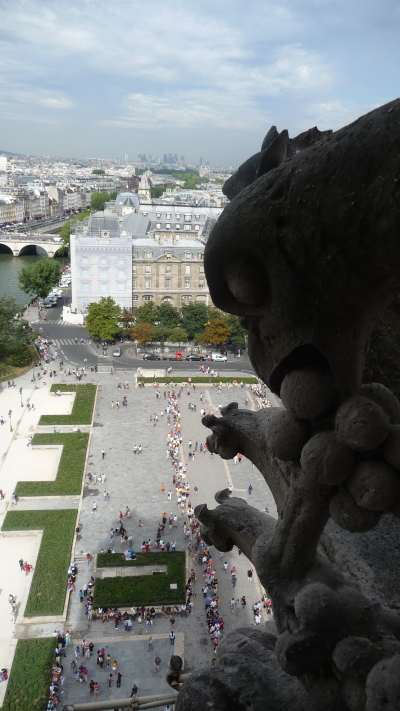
(314, 221)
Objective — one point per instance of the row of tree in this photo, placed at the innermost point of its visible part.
(159, 323)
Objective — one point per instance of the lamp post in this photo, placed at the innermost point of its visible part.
(9, 415)
(20, 395)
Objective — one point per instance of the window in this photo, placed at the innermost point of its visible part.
(168, 226)
(134, 269)
(188, 218)
(177, 227)
(168, 215)
(201, 269)
(197, 217)
(147, 297)
(135, 297)
(177, 216)
(158, 225)
(197, 227)
(149, 255)
(200, 256)
(188, 255)
(147, 270)
(187, 227)
(168, 268)
(134, 283)
(187, 269)
(201, 283)
(187, 282)
(147, 283)
(167, 283)
(158, 214)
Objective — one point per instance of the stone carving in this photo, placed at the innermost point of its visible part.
(308, 253)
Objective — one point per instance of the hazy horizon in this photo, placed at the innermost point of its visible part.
(85, 78)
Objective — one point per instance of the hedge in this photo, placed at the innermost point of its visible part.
(29, 680)
(198, 379)
(82, 410)
(70, 469)
(142, 589)
(48, 587)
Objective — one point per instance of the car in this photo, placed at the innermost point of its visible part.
(151, 356)
(218, 357)
(116, 353)
(194, 356)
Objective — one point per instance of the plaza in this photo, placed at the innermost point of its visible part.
(115, 477)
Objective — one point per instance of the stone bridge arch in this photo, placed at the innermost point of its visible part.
(5, 249)
(38, 249)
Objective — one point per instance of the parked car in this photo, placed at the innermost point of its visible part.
(194, 356)
(218, 357)
(117, 352)
(151, 356)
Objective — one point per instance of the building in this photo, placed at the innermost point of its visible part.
(162, 249)
(101, 264)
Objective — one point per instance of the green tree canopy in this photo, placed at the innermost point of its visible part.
(102, 320)
(168, 315)
(16, 336)
(99, 199)
(237, 333)
(143, 332)
(147, 312)
(194, 318)
(39, 278)
(98, 171)
(178, 335)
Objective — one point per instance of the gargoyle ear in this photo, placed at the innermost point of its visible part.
(274, 155)
(269, 138)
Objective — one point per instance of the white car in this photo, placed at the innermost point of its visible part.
(218, 357)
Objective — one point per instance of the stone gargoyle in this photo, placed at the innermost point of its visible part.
(307, 253)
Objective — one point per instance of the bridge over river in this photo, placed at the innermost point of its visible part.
(20, 244)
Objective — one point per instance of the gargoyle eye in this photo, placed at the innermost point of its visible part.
(248, 284)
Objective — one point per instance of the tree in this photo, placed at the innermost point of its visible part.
(157, 190)
(39, 278)
(215, 333)
(161, 333)
(237, 334)
(178, 335)
(127, 316)
(102, 320)
(98, 171)
(194, 318)
(16, 336)
(168, 315)
(147, 312)
(143, 332)
(99, 199)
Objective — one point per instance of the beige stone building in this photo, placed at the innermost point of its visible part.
(168, 271)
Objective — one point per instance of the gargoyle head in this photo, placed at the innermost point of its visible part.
(308, 250)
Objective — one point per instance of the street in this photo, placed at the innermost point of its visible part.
(66, 341)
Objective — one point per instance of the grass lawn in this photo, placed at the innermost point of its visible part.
(82, 409)
(199, 379)
(48, 588)
(141, 589)
(70, 470)
(29, 681)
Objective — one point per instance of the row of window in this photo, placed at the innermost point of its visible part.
(188, 255)
(168, 283)
(148, 269)
(168, 226)
(185, 298)
(177, 216)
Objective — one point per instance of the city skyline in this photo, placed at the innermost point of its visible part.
(84, 79)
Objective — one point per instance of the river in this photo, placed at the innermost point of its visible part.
(10, 268)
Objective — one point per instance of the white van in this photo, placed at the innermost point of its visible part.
(218, 357)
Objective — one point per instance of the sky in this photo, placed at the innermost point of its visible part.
(105, 78)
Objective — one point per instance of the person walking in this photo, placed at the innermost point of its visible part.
(134, 692)
(250, 575)
(157, 664)
(119, 680)
(172, 637)
(103, 454)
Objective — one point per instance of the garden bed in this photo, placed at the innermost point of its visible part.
(82, 410)
(248, 379)
(70, 469)
(49, 583)
(142, 589)
(28, 685)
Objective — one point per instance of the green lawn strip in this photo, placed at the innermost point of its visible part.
(142, 589)
(198, 379)
(70, 469)
(29, 681)
(82, 409)
(48, 587)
